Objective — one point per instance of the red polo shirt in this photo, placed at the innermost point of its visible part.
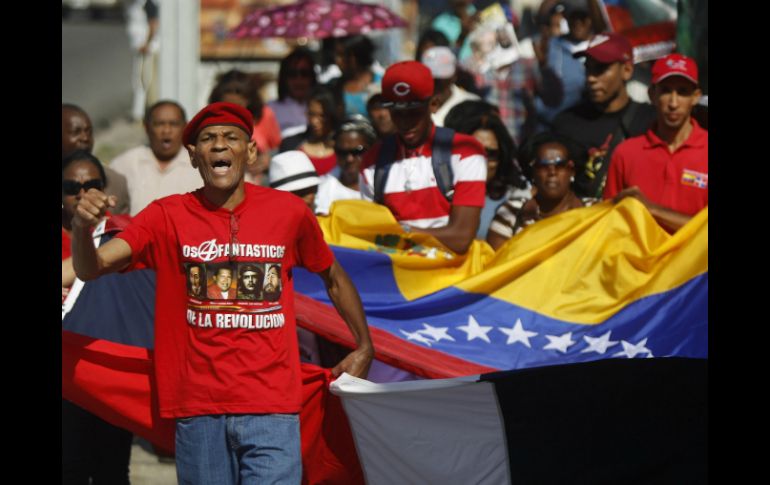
(677, 180)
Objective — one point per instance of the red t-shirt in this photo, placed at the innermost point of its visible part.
(411, 191)
(323, 165)
(676, 180)
(234, 356)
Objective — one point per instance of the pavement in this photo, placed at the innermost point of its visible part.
(117, 136)
(147, 469)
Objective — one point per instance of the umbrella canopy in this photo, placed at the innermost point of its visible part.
(316, 19)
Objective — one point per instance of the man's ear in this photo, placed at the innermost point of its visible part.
(191, 151)
(253, 152)
(627, 70)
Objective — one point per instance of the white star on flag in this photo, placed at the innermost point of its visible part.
(599, 344)
(416, 336)
(630, 350)
(559, 343)
(436, 333)
(517, 334)
(474, 330)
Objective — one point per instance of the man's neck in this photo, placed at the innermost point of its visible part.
(674, 137)
(228, 200)
(163, 164)
(615, 104)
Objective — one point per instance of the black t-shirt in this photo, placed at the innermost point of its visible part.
(595, 135)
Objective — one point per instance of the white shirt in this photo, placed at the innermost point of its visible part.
(458, 96)
(331, 189)
(147, 182)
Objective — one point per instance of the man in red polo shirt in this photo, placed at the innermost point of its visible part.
(411, 189)
(667, 167)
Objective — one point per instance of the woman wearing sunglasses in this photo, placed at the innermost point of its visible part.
(552, 172)
(91, 447)
(353, 138)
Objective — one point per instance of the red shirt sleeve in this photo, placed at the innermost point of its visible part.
(141, 234)
(312, 251)
(614, 183)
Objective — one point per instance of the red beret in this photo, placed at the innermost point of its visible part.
(406, 84)
(218, 114)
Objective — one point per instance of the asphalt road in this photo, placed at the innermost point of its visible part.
(96, 68)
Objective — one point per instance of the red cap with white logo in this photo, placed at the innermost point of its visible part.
(674, 65)
(406, 84)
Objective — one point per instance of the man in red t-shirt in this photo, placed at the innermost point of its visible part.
(227, 370)
(667, 167)
(411, 190)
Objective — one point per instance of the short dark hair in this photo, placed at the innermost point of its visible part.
(82, 155)
(361, 48)
(239, 82)
(163, 102)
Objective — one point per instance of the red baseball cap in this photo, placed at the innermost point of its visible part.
(608, 47)
(674, 65)
(218, 114)
(406, 84)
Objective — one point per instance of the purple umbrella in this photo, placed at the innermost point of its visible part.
(316, 19)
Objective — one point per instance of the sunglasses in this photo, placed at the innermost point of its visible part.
(71, 187)
(492, 154)
(559, 163)
(292, 72)
(356, 152)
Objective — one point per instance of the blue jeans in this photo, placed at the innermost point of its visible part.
(238, 449)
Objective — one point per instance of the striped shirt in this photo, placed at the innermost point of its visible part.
(411, 191)
(509, 219)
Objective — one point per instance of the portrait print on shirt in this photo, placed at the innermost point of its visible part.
(250, 279)
(196, 279)
(221, 281)
(272, 284)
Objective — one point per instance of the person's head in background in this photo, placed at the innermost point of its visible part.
(164, 123)
(380, 116)
(609, 66)
(551, 19)
(296, 76)
(323, 113)
(354, 55)
(430, 38)
(503, 170)
(442, 64)
(353, 138)
(580, 25)
(239, 88)
(548, 163)
(76, 130)
(81, 172)
(292, 171)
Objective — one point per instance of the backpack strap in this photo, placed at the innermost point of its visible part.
(442, 161)
(385, 160)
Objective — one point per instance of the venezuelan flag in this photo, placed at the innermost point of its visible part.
(594, 283)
